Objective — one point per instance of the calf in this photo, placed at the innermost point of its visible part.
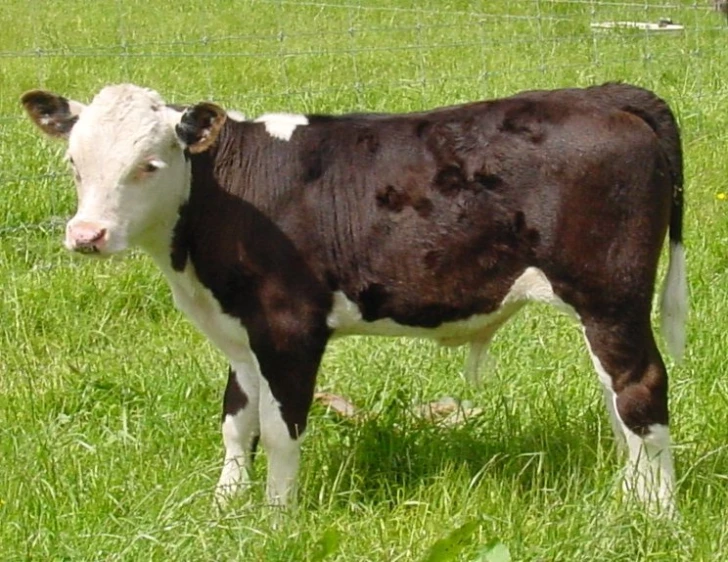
(278, 234)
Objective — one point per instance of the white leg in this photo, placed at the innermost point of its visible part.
(617, 426)
(609, 399)
(283, 451)
(239, 428)
(650, 474)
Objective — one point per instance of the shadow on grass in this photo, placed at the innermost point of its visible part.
(374, 457)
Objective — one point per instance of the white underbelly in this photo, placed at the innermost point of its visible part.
(345, 317)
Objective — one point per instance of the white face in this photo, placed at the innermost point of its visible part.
(130, 171)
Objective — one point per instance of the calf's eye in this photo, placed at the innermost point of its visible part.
(152, 165)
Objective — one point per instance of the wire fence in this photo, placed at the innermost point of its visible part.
(299, 36)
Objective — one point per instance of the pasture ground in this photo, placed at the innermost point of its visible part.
(110, 401)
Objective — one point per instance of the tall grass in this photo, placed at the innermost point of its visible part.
(109, 400)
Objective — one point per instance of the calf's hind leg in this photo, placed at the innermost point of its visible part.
(628, 363)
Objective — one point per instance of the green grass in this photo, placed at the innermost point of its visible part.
(109, 400)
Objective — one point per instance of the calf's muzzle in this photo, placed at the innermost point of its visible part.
(85, 237)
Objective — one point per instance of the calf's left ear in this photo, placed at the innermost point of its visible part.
(200, 125)
(53, 114)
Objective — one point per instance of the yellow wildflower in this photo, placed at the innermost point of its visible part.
(721, 196)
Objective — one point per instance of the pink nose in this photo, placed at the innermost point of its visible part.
(86, 236)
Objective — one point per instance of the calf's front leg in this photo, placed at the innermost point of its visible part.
(286, 393)
(240, 427)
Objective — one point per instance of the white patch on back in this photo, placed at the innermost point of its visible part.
(345, 317)
(235, 115)
(282, 125)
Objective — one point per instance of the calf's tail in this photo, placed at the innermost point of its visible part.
(674, 297)
(658, 115)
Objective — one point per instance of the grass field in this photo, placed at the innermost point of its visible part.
(110, 401)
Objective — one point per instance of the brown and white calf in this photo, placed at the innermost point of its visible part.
(279, 233)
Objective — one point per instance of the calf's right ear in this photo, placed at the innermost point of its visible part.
(200, 125)
(52, 114)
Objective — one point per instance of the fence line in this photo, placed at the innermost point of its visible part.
(594, 3)
(127, 50)
(278, 44)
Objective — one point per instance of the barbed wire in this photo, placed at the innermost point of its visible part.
(471, 28)
(129, 50)
(594, 3)
(415, 82)
(477, 19)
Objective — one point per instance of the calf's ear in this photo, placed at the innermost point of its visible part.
(52, 114)
(199, 126)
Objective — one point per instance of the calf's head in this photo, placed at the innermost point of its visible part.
(127, 152)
